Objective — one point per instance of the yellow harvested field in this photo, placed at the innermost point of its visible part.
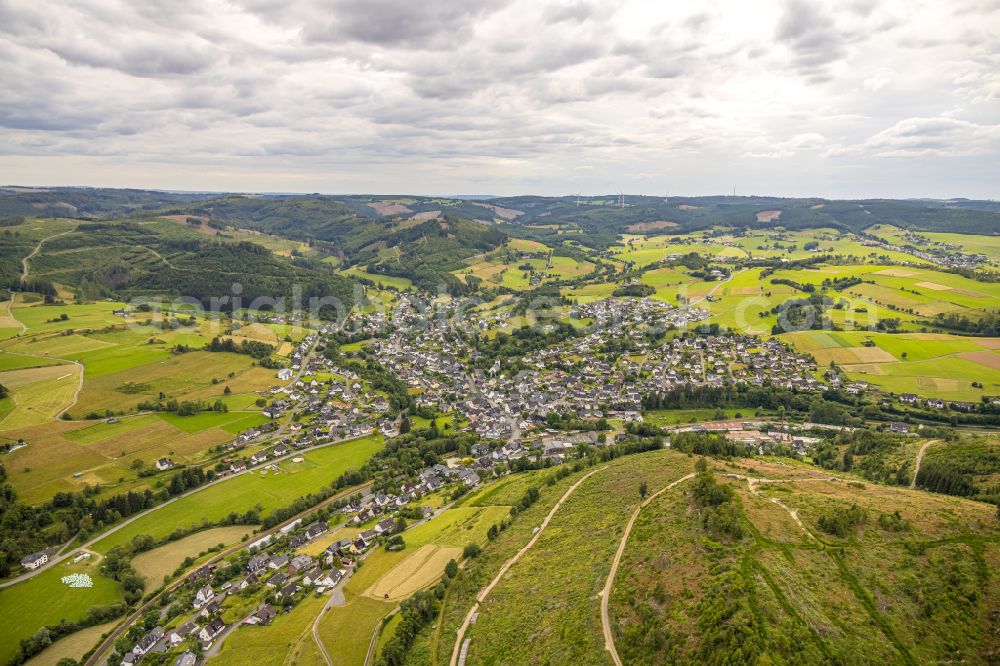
(416, 572)
(15, 378)
(154, 564)
(940, 384)
(895, 272)
(768, 215)
(987, 358)
(933, 286)
(72, 646)
(852, 355)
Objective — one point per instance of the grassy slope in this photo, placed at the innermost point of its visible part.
(45, 600)
(876, 595)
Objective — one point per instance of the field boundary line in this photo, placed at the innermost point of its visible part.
(609, 640)
(511, 562)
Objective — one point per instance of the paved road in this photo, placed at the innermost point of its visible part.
(481, 597)
(131, 519)
(609, 639)
(715, 288)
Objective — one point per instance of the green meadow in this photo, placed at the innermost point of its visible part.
(45, 600)
(269, 490)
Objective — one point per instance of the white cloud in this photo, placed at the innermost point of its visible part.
(517, 94)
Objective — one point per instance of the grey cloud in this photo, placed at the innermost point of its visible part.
(572, 11)
(812, 38)
(400, 24)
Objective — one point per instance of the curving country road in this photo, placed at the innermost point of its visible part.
(511, 562)
(131, 519)
(154, 601)
(609, 639)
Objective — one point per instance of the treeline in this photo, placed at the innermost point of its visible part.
(697, 397)
(709, 444)
(637, 290)
(185, 408)
(25, 528)
(254, 348)
(959, 469)
(800, 314)
(986, 326)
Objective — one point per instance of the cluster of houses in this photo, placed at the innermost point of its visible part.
(949, 255)
(580, 376)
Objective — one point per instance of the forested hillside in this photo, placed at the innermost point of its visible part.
(150, 257)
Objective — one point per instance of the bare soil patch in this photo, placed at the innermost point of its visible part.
(933, 286)
(386, 208)
(986, 358)
(650, 226)
(768, 215)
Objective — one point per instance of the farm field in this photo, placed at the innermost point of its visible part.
(969, 243)
(346, 630)
(154, 564)
(65, 455)
(270, 490)
(40, 318)
(24, 614)
(39, 395)
(9, 361)
(72, 646)
(399, 283)
(739, 303)
(420, 569)
(928, 364)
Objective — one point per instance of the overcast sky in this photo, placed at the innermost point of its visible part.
(839, 98)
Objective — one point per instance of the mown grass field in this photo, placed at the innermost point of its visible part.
(346, 630)
(65, 455)
(72, 646)
(421, 569)
(400, 283)
(154, 564)
(270, 491)
(44, 600)
(39, 395)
